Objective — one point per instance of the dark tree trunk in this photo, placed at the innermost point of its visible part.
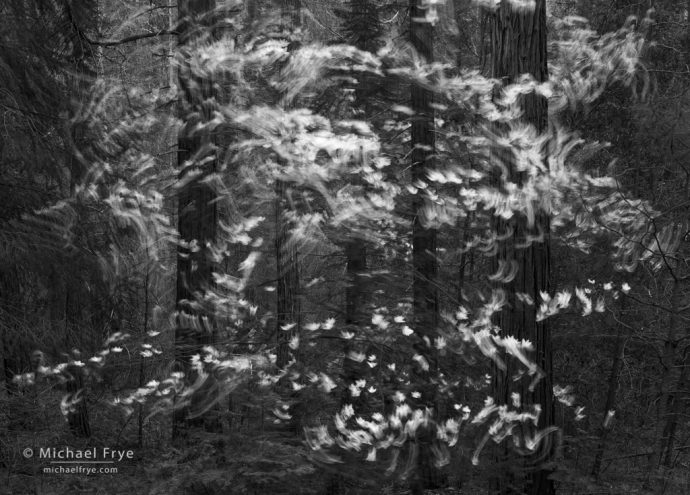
(252, 10)
(142, 362)
(618, 356)
(197, 212)
(78, 415)
(288, 303)
(678, 404)
(292, 12)
(424, 261)
(361, 23)
(518, 46)
(670, 377)
(674, 389)
(13, 353)
(355, 253)
(462, 265)
(356, 249)
(83, 19)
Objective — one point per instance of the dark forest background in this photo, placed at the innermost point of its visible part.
(334, 247)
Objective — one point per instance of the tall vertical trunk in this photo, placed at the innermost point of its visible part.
(680, 396)
(252, 10)
(610, 400)
(678, 402)
(197, 212)
(10, 335)
(288, 303)
(356, 248)
(83, 20)
(78, 415)
(365, 37)
(458, 7)
(672, 388)
(142, 363)
(518, 46)
(462, 268)
(424, 261)
(669, 377)
(355, 252)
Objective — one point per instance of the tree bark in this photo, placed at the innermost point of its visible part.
(142, 363)
(679, 399)
(78, 415)
(424, 261)
(14, 358)
(365, 39)
(518, 46)
(361, 24)
(355, 252)
(619, 353)
(288, 303)
(197, 212)
(464, 236)
(669, 376)
(82, 58)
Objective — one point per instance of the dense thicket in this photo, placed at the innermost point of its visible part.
(345, 247)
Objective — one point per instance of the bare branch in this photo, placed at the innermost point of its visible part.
(130, 39)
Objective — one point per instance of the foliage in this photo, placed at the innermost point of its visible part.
(264, 125)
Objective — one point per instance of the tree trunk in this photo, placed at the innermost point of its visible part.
(288, 314)
(288, 303)
(365, 39)
(518, 46)
(669, 377)
(674, 382)
(464, 235)
(355, 253)
(83, 20)
(142, 362)
(679, 400)
(610, 400)
(78, 415)
(361, 24)
(197, 213)
(13, 353)
(424, 262)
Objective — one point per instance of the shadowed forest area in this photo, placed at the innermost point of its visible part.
(344, 247)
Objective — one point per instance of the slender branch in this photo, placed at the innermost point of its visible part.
(129, 39)
(641, 454)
